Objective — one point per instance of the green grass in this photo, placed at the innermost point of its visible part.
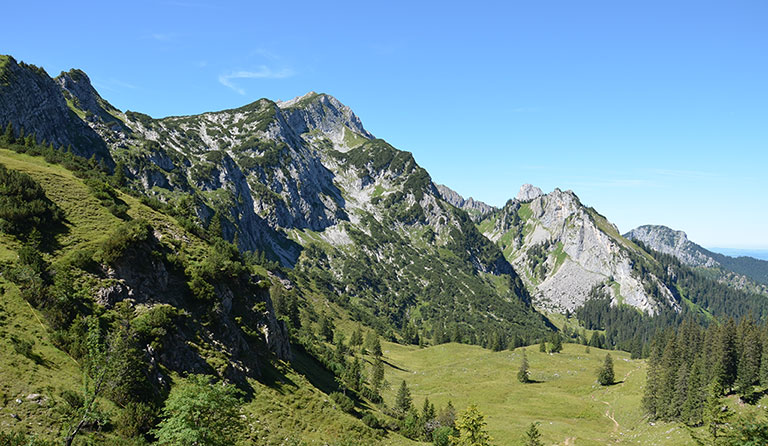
(525, 211)
(47, 372)
(571, 406)
(352, 139)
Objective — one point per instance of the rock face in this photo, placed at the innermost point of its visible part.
(743, 273)
(31, 100)
(563, 250)
(476, 209)
(528, 192)
(676, 243)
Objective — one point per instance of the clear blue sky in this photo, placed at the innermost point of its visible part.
(651, 111)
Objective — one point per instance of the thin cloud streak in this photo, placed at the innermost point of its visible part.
(263, 72)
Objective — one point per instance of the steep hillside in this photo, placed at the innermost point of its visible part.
(564, 250)
(163, 303)
(743, 273)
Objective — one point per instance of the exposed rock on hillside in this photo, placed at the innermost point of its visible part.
(476, 209)
(563, 249)
(32, 101)
(676, 243)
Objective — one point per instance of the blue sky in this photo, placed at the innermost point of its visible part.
(651, 111)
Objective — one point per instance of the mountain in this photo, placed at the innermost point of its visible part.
(303, 182)
(564, 250)
(475, 208)
(669, 241)
(741, 272)
(32, 101)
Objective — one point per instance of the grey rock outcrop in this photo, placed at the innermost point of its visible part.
(563, 250)
(676, 243)
(31, 100)
(476, 209)
(528, 192)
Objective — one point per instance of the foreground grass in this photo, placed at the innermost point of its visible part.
(565, 398)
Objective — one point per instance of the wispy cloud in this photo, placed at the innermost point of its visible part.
(264, 72)
(677, 173)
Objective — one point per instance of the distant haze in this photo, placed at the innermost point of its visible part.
(761, 254)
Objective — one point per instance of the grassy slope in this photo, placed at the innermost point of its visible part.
(286, 403)
(567, 401)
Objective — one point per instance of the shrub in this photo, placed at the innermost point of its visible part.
(342, 401)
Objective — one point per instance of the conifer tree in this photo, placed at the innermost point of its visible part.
(557, 343)
(725, 366)
(8, 136)
(749, 360)
(523, 374)
(372, 344)
(427, 411)
(357, 337)
(403, 401)
(471, 426)
(326, 328)
(377, 374)
(543, 346)
(605, 374)
(533, 436)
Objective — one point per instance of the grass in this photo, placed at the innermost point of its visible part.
(46, 372)
(571, 406)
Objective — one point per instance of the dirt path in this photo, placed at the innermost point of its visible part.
(609, 415)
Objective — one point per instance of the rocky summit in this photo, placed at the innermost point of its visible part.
(563, 250)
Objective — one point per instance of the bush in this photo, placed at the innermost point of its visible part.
(113, 247)
(23, 346)
(23, 204)
(371, 421)
(342, 401)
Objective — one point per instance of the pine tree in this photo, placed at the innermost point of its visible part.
(326, 328)
(749, 360)
(403, 401)
(471, 426)
(557, 343)
(718, 417)
(357, 337)
(605, 374)
(725, 356)
(8, 136)
(427, 411)
(377, 374)
(543, 346)
(533, 436)
(595, 340)
(523, 375)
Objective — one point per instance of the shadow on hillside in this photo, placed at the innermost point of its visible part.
(394, 366)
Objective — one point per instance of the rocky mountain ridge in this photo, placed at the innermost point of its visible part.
(563, 250)
(303, 182)
(475, 208)
(740, 273)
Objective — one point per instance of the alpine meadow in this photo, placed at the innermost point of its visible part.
(274, 274)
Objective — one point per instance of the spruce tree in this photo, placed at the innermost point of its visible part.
(377, 374)
(523, 375)
(8, 136)
(533, 436)
(749, 361)
(557, 343)
(471, 426)
(357, 338)
(605, 374)
(403, 401)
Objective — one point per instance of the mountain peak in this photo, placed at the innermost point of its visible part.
(669, 241)
(528, 192)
